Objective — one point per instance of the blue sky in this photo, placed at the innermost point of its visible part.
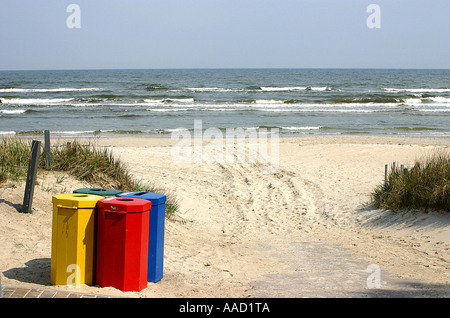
(224, 34)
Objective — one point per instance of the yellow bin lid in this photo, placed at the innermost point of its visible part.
(76, 200)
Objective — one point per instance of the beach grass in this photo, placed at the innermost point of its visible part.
(92, 164)
(14, 155)
(86, 162)
(426, 186)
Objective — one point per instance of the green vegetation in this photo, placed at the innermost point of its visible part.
(425, 187)
(30, 132)
(85, 162)
(14, 156)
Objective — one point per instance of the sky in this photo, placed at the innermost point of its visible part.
(145, 34)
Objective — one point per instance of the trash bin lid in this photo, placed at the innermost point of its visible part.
(124, 205)
(97, 191)
(155, 198)
(76, 200)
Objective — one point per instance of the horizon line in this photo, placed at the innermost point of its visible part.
(225, 68)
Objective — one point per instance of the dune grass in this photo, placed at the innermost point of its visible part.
(85, 162)
(14, 155)
(426, 186)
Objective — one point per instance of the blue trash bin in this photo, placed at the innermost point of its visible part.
(156, 232)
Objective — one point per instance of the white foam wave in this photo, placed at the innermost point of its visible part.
(167, 109)
(226, 109)
(47, 90)
(294, 88)
(413, 101)
(279, 89)
(418, 90)
(262, 88)
(211, 89)
(428, 102)
(179, 100)
(274, 105)
(85, 104)
(319, 110)
(436, 110)
(72, 132)
(268, 101)
(28, 101)
(439, 99)
(153, 101)
(11, 111)
(7, 132)
(302, 128)
(196, 108)
(169, 100)
(176, 129)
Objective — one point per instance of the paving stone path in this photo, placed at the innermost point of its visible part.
(25, 292)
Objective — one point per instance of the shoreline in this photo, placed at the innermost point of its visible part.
(168, 134)
(138, 140)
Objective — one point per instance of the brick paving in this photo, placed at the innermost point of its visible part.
(26, 292)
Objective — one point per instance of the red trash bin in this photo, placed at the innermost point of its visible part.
(122, 243)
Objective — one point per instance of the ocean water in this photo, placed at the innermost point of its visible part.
(300, 102)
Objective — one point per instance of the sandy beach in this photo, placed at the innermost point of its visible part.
(304, 231)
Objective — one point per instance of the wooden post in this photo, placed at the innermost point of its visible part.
(385, 174)
(31, 176)
(48, 158)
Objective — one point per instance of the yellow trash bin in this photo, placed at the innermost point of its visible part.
(73, 239)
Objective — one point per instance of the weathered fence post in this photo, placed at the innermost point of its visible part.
(48, 158)
(385, 173)
(31, 176)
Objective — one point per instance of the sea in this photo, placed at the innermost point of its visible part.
(158, 102)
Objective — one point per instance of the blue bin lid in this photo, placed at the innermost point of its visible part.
(155, 198)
